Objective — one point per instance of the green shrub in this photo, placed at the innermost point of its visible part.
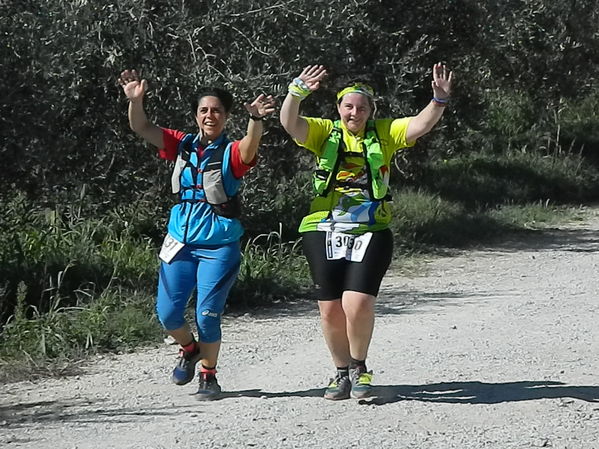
(272, 270)
(116, 320)
(423, 220)
(521, 176)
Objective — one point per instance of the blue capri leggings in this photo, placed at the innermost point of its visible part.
(213, 271)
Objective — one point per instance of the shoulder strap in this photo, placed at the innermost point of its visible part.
(215, 162)
(183, 156)
(371, 128)
(332, 175)
(214, 185)
(186, 146)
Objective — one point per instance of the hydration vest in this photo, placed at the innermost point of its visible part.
(325, 176)
(212, 186)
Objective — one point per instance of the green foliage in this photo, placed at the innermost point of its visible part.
(422, 218)
(488, 179)
(577, 122)
(83, 202)
(55, 252)
(271, 270)
(272, 203)
(424, 221)
(115, 320)
(64, 130)
(511, 117)
(534, 215)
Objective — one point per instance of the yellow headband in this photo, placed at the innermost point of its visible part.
(358, 88)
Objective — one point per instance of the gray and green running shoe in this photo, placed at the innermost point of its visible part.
(360, 382)
(339, 388)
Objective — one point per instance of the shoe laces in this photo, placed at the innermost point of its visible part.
(364, 378)
(334, 381)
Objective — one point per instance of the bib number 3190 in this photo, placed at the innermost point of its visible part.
(346, 246)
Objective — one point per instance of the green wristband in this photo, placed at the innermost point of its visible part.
(299, 89)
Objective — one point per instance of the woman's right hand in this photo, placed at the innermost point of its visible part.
(133, 87)
(312, 75)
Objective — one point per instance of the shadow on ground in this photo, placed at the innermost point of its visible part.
(482, 393)
(81, 411)
(77, 410)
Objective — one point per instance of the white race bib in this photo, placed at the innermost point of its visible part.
(346, 246)
(170, 248)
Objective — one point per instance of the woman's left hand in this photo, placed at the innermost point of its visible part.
(441, 81)
(261, 106)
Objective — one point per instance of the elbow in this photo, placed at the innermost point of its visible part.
(293, 128)
(139, 128)
(248, 156)
(288, 120)
(284, 122)
(135, 126)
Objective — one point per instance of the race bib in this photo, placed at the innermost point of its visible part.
(170, 248)
(346, 246)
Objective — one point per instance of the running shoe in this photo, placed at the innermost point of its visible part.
(186, 366)
(339, 388)
(360, 382)
(209, 388)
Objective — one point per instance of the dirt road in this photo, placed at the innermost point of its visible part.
(493, 348)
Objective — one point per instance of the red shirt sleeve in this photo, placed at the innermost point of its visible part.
(171, 139)
(238, 167)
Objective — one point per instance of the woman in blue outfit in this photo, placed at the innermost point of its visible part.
(201, 249)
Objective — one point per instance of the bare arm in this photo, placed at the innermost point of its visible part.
(293, 123)
(259, 108)
(135, 90)
(309, 81)
(432, 113)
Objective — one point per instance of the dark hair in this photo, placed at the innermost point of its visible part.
(224, 96)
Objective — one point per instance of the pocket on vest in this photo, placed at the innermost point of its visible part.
(212, 182)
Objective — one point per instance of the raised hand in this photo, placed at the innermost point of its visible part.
(134, 87)
(312, 75)
(441, 83)
(261, 106)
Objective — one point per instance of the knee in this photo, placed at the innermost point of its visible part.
(208, 322)
(331, 312)
(358, 309)
(170, 318)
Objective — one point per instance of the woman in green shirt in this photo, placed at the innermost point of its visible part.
(346, 234)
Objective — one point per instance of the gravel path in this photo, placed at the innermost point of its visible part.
(492, 348)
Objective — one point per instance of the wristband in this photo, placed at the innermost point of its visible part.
(300, 83)
(256, 119)
(441, 102)
(299, 89)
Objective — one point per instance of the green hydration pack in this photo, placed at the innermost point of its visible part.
(324, 178)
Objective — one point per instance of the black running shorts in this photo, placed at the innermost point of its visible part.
(333, 277)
